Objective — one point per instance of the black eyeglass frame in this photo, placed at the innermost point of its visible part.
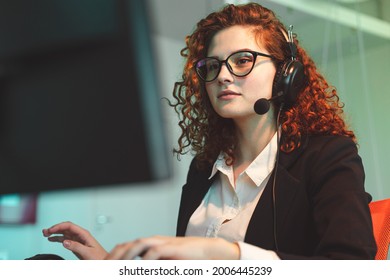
(220, 62)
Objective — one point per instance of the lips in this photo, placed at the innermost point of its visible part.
(227, 94)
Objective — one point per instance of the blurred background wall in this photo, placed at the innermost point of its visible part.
(349, 40)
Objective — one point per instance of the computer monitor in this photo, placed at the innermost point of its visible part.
(80, 104)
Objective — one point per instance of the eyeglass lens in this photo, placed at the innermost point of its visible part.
(239, 64)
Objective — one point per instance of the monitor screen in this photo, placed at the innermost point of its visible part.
(79, 96)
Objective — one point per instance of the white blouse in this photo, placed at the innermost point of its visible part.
(228, 206)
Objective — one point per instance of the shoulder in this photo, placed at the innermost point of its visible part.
(329, 142)
(321, 158)
(316, 148)
(331, 148)
(332, 159)
(326, 147)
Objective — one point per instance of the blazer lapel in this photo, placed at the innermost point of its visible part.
(192, 194)
(260, 230)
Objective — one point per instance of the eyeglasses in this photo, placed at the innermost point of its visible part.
(238, 63)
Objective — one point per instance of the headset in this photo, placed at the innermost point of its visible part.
(288, 82)
(290, 77)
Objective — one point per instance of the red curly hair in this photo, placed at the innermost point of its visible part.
(316, 111)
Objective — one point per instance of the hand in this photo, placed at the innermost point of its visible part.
(77, 240)
(178, 248)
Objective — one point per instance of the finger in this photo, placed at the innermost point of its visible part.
(169, 251)
(143, 246)
(49, 231)
(71, 231)
(158, 252)
(138, 249)
(133, 249)
(45, 232)
(58, 228)
(57, 238)
(119, 250)
(81, 251)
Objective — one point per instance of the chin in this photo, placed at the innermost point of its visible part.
(235, 114)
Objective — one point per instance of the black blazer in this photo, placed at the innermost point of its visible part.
(321, 205)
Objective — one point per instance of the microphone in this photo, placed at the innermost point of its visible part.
(262, 105)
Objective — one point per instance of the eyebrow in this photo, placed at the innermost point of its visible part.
(239, 50)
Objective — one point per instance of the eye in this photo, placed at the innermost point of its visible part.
(243, 59)
(211, 66)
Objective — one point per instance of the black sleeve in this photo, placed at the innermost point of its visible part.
(339, 202)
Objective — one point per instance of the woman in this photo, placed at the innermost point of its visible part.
(245, 198)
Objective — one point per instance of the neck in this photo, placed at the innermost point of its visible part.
(253, 136)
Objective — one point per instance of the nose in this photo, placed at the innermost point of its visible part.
(225, 76)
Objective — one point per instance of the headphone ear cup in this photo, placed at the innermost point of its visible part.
(288, 82)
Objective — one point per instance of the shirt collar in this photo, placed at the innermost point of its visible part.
(259, 168)
(219, 164)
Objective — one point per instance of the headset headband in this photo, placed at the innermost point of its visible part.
(293, 48)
